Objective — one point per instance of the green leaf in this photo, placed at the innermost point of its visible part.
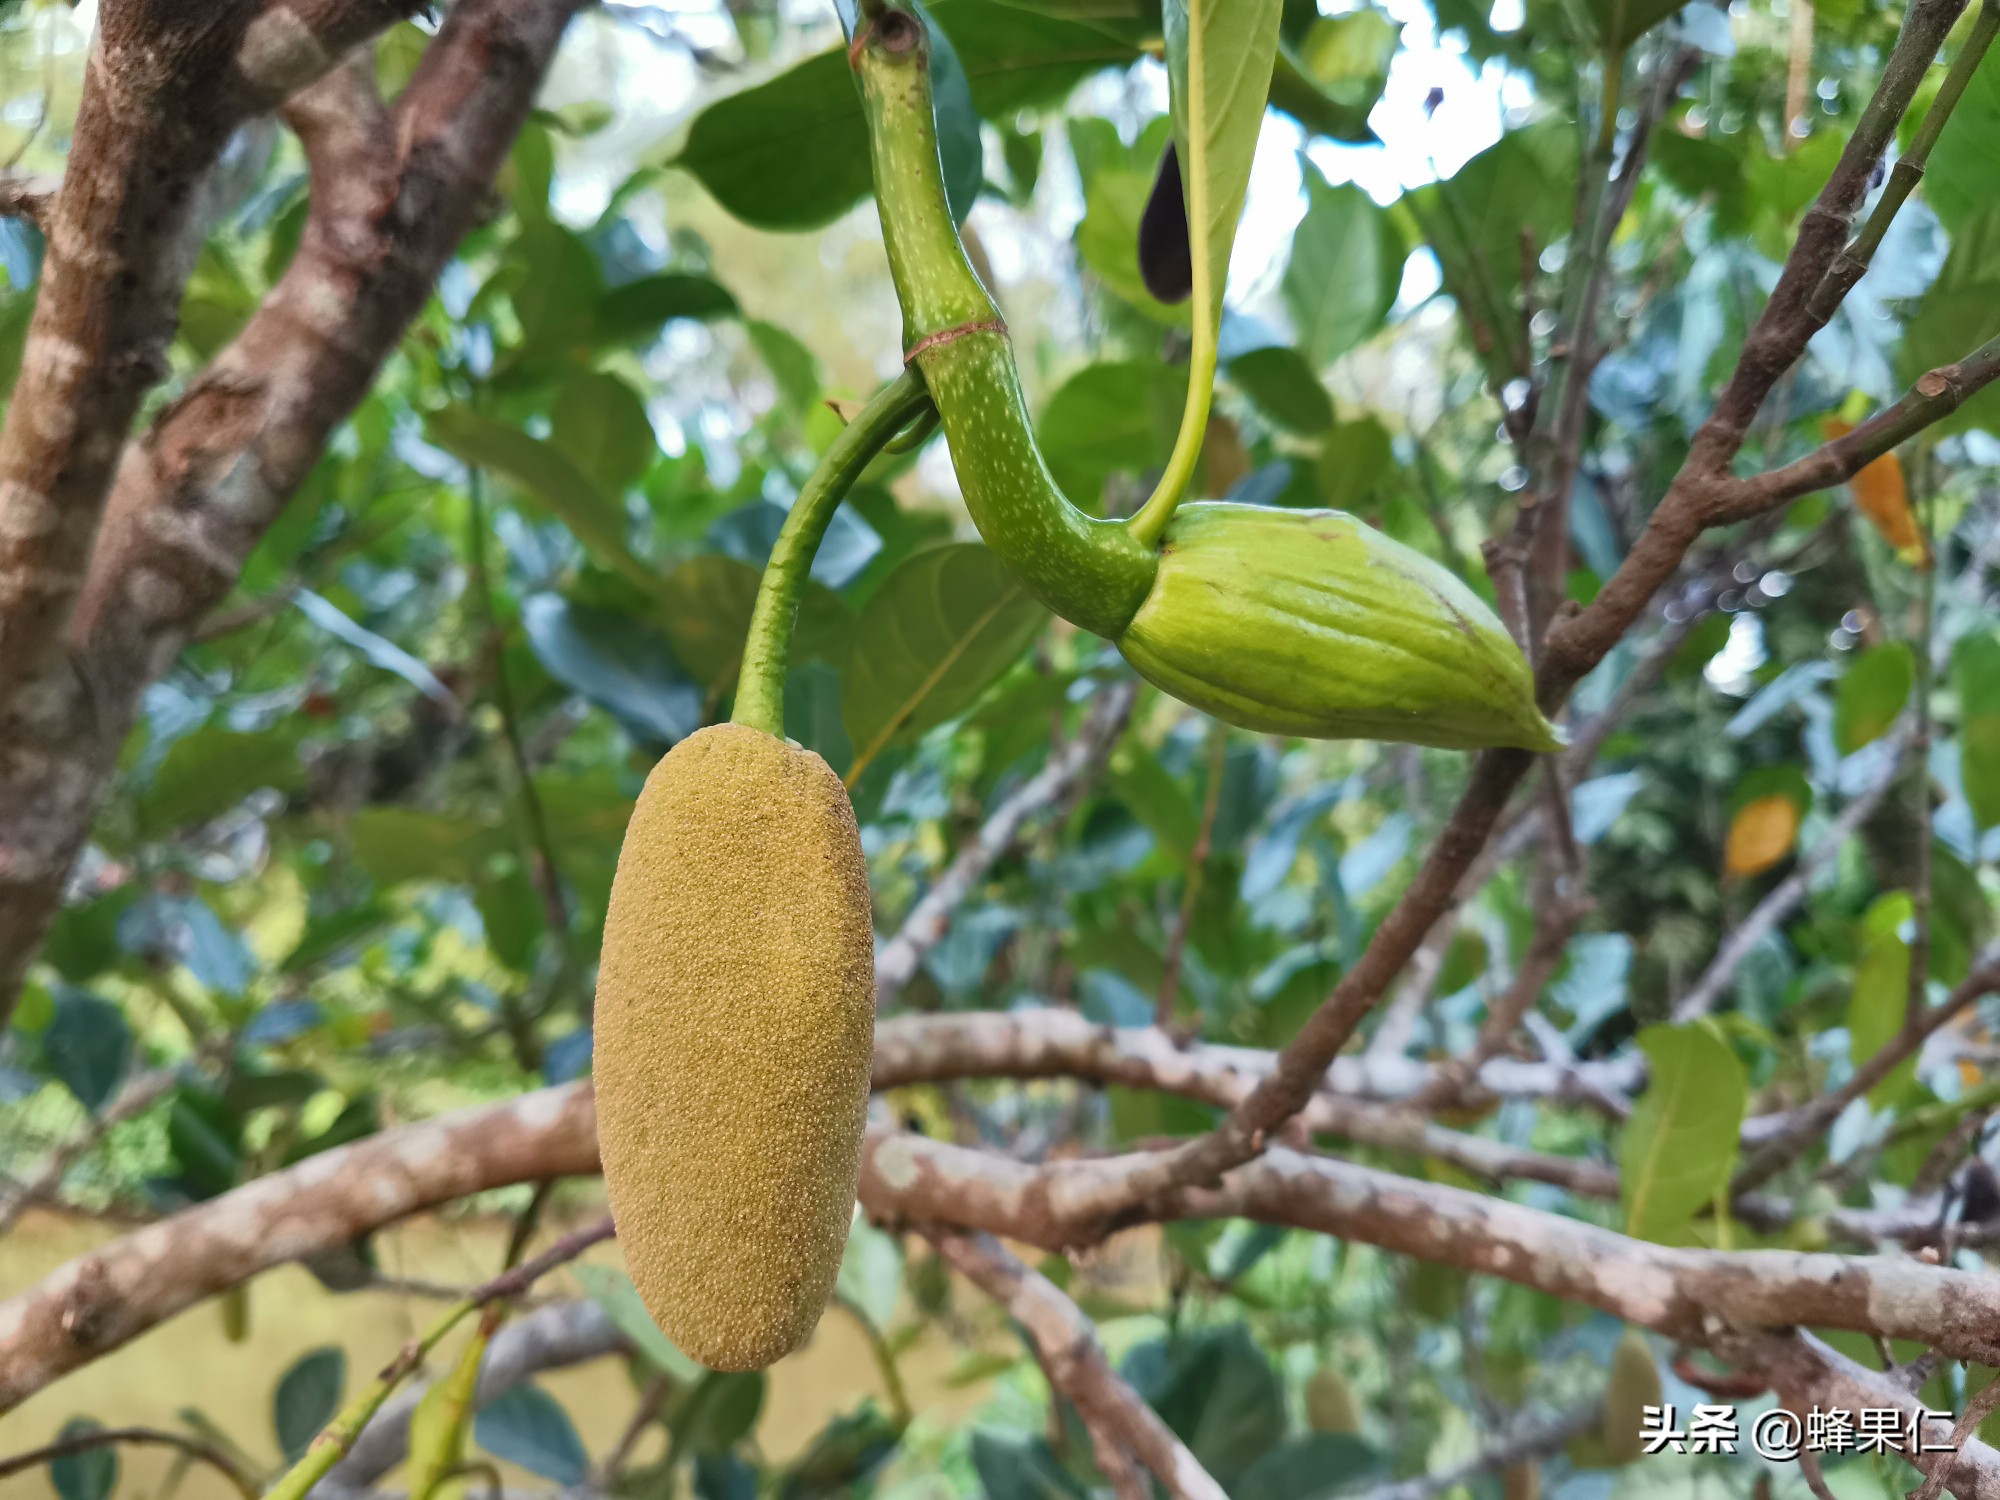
(871, 1274)
(1348, 57)
(1357, 462)
(1015, 1467)
(1475, 222)
(1108, 419)
(1960, 312)
(87, 1046)
(1283, 386)
(1680, 1144)
(527, 1426)
(613, 1291)
(1219, 59)
(939, 632)
(512, 915)
(1346, 264)
(1620, 23)
(306, 1399)
(625, 665)
(1975, 674)
(600, 422)
(401, 843)
(1016, 59)
(718, 1413)
(555, 283)
(1871, 694)
(793, 366)
(1218, 1391)
(1107, 240)
(1881, 992)
(206, 773)
(1315, 1466)
(545, 472)
(792, 152)
(632, 315)
(707, 611)
(1965, 162)
(89, 1475)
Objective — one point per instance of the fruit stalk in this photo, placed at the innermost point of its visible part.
(1092, 572)
(760, 684)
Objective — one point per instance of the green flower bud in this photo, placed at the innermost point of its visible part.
(1310, 622)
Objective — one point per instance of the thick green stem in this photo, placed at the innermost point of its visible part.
(760, 687)
(1092, 572)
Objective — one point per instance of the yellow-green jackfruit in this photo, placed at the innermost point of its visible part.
(1634, 1386)
(1331, 1405)
(734, 1031)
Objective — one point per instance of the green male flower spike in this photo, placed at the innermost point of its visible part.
(1301, 622)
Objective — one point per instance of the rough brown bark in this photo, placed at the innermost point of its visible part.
(392, 196)
(96, 1303)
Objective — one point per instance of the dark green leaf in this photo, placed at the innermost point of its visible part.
(527, 1426)
(623, 664)
(401, 843)
(1285, 389)
(545, 472)
(601, 423)
(1965, 162)
(1218, 1391)
(205, 774)
(1012, 1467)
(634, 314)
(1476, 222)
(1109, 419)
(793, 366)
(88, 1046)
(937, 634)
(89, 1475)
(307, 1397)
(718, 1413)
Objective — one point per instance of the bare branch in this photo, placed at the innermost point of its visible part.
(1531, 1441)
(1067, 1347)
(1783, 898)
(1067, 773)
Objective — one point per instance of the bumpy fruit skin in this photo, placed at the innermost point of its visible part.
(1311, 622)
(735, 1027)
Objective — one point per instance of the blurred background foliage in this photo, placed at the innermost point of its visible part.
(356, 863)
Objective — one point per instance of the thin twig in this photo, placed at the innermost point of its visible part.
(1067, 1347)
(104, 1437)
(1067, 772)
(1784, 897)
(1177, 940)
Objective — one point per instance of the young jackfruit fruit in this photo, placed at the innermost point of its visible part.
(1634, 1386)
(735, 1026)
(1331, 1405)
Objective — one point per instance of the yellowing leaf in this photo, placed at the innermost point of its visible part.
(1762, 833)
(1883, 496)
